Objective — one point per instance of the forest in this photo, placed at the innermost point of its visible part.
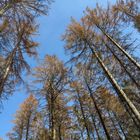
(95, 95)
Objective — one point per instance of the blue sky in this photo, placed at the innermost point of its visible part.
(49, 36)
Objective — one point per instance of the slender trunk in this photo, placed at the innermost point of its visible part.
(93, 120)
(7, 70)
(130, 113)
(81, 132)
(117, 88)
(9, 62)
(20, 137)
(52, 121)
(121, 128)
(21, 132)
(49, 116)
(83, 115)
(59, 131)
(120, 47)
(98, 111)
(28, 126)
(94, 138)
(123, 66)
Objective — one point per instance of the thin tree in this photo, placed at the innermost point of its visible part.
(24, 119)
(15, 62)
(52, 75)
(16, 31)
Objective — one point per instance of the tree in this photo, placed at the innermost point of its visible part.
(84, 75)
(92, 19)
(16, 30)
(24, 8)
(24, 119)
(128, 11)
(52, 75)
(78, 42)
(15, 63)
(79, 93)
(84, 43)
(92, 96)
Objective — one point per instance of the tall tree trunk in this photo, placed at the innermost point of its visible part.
(28, 126)
(21, 132)
(9, 62)
(83, 115)
(93, 120)
(130, 113)
(119, 47)
(117, 88)
(98, 111)
(52, 121)
(7, 70)
(123, 66)
(120, 126)
(59, 132)
(81, 132)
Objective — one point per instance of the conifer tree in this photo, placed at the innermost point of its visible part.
(17, 27)
(24, 119)
(52, 75)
